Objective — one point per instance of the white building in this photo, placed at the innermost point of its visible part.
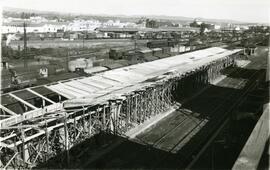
(40, 24)
(39, 19)
(38, 28)
(83, 25)
(118, 24)
(80, 63)
(217, 27)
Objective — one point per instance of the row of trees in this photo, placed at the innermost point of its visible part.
(151, 23)
(25, 15)
(11, 53)
(203, 26)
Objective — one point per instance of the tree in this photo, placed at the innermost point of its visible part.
(33, 15)
(151, 23)
(25, 15)
(194, 24)
(203, 26)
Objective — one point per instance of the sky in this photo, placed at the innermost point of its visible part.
(240, 10)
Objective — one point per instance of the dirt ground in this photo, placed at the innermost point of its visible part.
(95, 43)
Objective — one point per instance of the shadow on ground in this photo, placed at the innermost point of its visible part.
(108, 151)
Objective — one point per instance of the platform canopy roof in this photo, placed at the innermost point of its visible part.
(110, 81)
(110, 84)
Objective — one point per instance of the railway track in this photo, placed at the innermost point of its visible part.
(221, 123)
(182, 114)
(185, 141)
(174, 138)
(184, 135)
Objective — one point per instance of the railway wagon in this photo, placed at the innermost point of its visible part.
(6, 80)
(160, 43)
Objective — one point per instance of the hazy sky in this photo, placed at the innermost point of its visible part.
(241, 10)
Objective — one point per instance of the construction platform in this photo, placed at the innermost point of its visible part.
(174, 141)
(41, 122)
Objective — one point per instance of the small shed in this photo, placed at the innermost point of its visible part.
(80, 63)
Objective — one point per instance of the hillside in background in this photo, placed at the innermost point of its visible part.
(16, 12)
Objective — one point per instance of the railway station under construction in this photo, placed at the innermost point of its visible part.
(41, 122)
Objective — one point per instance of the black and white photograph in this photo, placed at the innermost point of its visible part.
(134, 84)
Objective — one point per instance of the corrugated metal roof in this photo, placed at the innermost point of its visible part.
(156, 49)
(165, 29)
(136, 74)
(170, 29)
(115, 83)
(42, 90)
(115, 29)
(146, 51)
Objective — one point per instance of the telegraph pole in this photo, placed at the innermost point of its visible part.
(25, 45)
(84, 33)
(67, 59)
(135, 42)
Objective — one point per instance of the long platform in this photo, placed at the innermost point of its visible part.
(40, 122)
(19, 105)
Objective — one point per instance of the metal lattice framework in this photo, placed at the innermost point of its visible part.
(40, 122)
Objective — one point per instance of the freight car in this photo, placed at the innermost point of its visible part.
(24, 77)
(161, 43)
(6, 80)
(116, 54)
(20, 77)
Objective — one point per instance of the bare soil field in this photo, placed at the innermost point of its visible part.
(95, 43)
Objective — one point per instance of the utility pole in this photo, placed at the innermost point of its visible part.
(25, 45)
(67, 60)
(135, 42)
(84, 34)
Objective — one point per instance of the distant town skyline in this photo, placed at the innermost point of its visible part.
(239, 10)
